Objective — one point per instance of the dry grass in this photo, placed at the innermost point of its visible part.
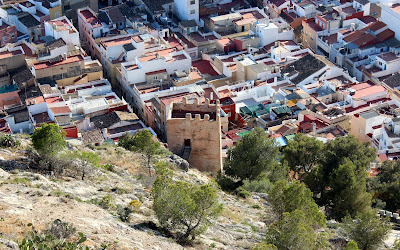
(131, 161)
(233, 214)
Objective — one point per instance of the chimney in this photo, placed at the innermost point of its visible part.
(105, 132)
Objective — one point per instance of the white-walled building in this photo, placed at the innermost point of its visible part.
(187, 9)
(169, 60)
(62, 28)
(273, 30)
(390, 15)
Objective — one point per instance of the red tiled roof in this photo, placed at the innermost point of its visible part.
(353, 35)
(186, 41)
(4, 128)
(226, 42)
(90, 18)
(365, 40)
(40, 14)
(156, 72)
(115, 42)
(396, 7)
(199, 38)
(204, 67)
(245, 21)
(38, 100)
(330, 39)
(375, 26)
(173, 42)
(345, 31)
(349, 10)
(383, 157)
(310, 117)
(53, 100)
(173, 98)
(361, 86)
(47, 64)
(63, 24)
(4, 26)
(367, 19)
(281, 42)
(27, 50)
(385, 35)
(369, 91)
(60, 110)
(132, 67)
(6, 54)
(311, 23)
(305, 125)
(387, 57)
(41, 117)
(137, 39)
(278, 3)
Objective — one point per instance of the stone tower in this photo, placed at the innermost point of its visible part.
(194, 132)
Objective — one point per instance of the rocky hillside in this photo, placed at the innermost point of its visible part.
(27, 196)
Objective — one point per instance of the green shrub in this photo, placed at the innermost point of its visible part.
(59, 193)
(109, 167)
(107, 202)
(59, 236)
(183, 208)
(119, 190)
(135, 205)
(124, 213)
(7, 141)
(20, 180)
(243, 193)
(49, 139)
(61, 230)
(260, 185)
(226, 183)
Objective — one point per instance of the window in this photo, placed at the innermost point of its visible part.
(192, 2)
(57, 14)
(192, 12)
(155, 77)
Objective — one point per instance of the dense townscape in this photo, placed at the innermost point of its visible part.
(272, 99)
